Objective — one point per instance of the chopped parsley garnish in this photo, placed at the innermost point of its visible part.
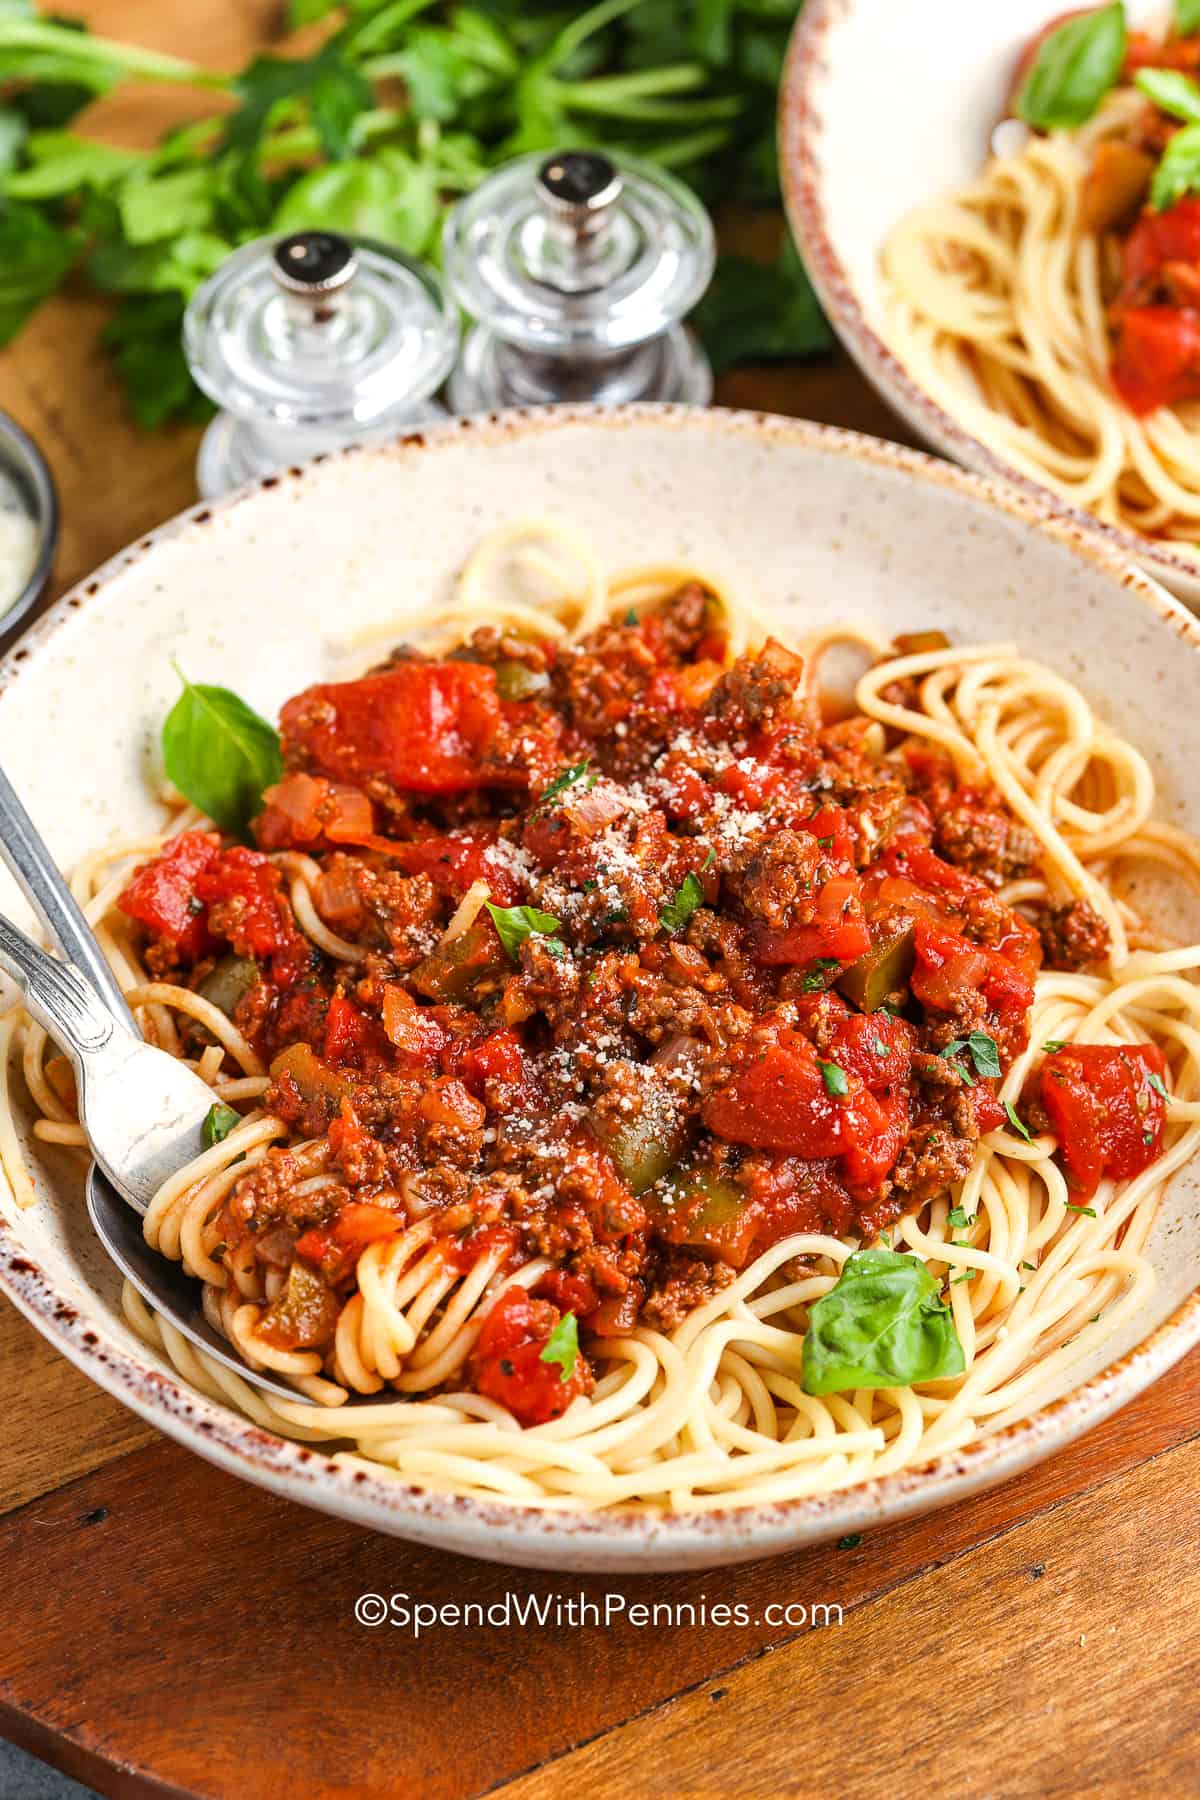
(676, 913)
(879, 1047)
(1018, 1127)
(631, 617)
(568, 779)
(825, 843)
(983, 1053)
(1089, 1212)
(834, 1077)
(516, 923)
(957, 1217)
(219, 1121)
(1053, 1044)
(1158, 1084)
(562, 1347)
(815, 978)
(851, 1541)
(709, 860)
(1029, 1265)
(967, 1275)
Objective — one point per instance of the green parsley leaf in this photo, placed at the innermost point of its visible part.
(1172, 91)
(219, 1121)
(35, 256)
(516, 923)
(220, 754)
(1089, 1212)
(709, 860)
(984, 1054)
(1053, 1044)
(1185, 17)
(676, 913)
(966, 1275)
(566, 780)
(1075, 67)
(957, 1217)
(562, 1346)
(883, 1324)
(1178, 172)
(851, 1541)
(834, 1077)
(330, 88)
(1029, 1265)
(815, 977)
(1021, 1130)
(1157, 1083)
(878, 1047)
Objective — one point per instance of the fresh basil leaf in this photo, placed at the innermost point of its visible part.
(1075, 67)
(562, 1346)
(883, 1325)
(834, 1077)
(754, 312)
(516, 923)
(1172, 91)
(1185, 17)
(219, 1121)
(220, 754)
(678, 910)
(1018, 1127)
(1158, 1084)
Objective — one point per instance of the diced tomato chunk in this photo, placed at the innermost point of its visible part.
(352, 1040)
(839, 930)
(507, 1365)
(946, 965)
(1156, 361)
(428, 728)
(570, 1293)
(162, 894)
(780, 1100)
(244, 893)
(455, 861)
(1105, 1110)
(496, 1059)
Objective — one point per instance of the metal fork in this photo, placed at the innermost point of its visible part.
(143, 1110)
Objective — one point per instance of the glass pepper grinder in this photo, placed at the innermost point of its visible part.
(311, 342)
(579, 270)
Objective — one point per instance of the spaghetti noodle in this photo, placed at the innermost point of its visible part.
(707, 1403)
(1040, 308)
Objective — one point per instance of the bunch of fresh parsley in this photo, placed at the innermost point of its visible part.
(406, 105)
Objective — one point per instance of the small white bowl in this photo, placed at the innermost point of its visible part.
(264, 592)
(885, 106)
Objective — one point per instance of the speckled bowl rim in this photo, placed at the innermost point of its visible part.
(799, 130)
(611, 1541)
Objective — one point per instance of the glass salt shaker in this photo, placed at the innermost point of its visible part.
(311, 342)
(579, 270)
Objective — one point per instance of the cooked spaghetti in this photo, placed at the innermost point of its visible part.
(1052, 306)
(633, 1087)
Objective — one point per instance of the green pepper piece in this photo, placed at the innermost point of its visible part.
(303, 1315)
(702, 1210)
(880, 970)
(227, 981)
(517, 681)
(646, 1146)
(454, 971)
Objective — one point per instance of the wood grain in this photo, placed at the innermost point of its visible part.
(235, 1607)
(1060, 1659)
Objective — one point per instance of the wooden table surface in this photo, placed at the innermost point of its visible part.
(165, 1630)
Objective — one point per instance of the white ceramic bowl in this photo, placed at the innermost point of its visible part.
(884, 106)
(263, 590)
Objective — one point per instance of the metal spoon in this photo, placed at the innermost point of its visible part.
(142, 1109)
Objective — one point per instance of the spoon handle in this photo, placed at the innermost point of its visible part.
(38, 877)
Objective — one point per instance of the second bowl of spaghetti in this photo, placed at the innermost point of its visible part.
(994, 203)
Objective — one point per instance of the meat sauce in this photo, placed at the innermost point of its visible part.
(725, 989)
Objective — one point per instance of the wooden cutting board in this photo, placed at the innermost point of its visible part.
(165, 1630)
